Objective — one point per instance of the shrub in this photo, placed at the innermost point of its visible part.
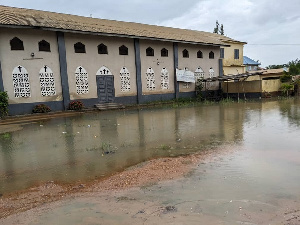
(75, 105)
(286, 88)
(3, 104)
(41, 108)
(285, 78)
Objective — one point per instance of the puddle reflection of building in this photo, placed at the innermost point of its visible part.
(69, 142)
(6, 144)
(109, 137)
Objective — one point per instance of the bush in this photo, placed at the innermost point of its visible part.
(3, 104)
(285, 78)
(41, 108)
(286, 88)
(75, 105)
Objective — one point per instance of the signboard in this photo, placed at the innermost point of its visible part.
(185, 76)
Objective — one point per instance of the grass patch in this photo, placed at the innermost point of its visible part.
(6, 135)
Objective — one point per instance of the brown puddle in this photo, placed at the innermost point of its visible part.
(142, 175)
(241, 167)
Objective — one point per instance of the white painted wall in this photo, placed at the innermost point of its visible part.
(11, 59)
(192, 63)
(92, 62)
(157, 63)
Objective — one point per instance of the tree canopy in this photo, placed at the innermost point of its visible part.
(219, 29)
(294, 67)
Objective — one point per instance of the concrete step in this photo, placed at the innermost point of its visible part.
(109, 106)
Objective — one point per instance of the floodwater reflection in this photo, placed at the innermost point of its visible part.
(98, 144)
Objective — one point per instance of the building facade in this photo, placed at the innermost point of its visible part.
(54, 58)
(233, 57)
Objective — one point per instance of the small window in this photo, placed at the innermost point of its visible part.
(102, 49)
(149, 51)
(79, 47)
(211, 55)
(222, 53)
(16, 44)
(164, 52)
(185, 53)
(199, 54)
(44, 46)
(123, 50)
(236, 53)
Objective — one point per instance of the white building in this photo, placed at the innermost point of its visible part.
(55, 58)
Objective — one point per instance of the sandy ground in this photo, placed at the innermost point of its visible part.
(144, 174)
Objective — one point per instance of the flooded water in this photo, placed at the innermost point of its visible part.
(258, 182)
(98, 144)
(94, 145)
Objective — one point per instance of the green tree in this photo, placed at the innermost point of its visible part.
(219, 29)
(286, 88)
(216, 29)
(294, 67)
(222, 30)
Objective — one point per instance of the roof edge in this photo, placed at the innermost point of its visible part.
(108, 34)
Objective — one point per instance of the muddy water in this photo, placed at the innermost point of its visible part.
(266, 136)
(94, 145)
(257, 182)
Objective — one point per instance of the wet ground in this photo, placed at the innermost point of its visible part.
(253, 177)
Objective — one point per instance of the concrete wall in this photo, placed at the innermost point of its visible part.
(92, 62)
(11, 59)
(242, 87)
(233, 70)
(157, 63)
(271, 85)
(231, 65)
(192, 63)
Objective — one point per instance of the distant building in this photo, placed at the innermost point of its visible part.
(264, 85)
(232, 56)
(250, 64)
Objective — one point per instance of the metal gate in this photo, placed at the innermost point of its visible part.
(105, 88)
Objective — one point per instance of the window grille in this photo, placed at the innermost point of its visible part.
(82, 84)
(21, 82)
(47, 82)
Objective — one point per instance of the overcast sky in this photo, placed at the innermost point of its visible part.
(270, 27)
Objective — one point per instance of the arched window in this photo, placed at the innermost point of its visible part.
(123, 50)
(44, 46)
(79, 47)
(164, 52)
(81, 77)
(199, 54)
(125, 79)
(16, 44)
(47, 82)
(211, 72)
(150, 77)
(185, 53)
(211, 55)
(103, 71)
(199, 75)
(149, 51)
(102, 49)
(21, 82)
(164, 78)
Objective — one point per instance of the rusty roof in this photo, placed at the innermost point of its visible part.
(20, 17)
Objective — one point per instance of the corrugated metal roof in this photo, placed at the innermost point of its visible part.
(11, 17)
(248, 61)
